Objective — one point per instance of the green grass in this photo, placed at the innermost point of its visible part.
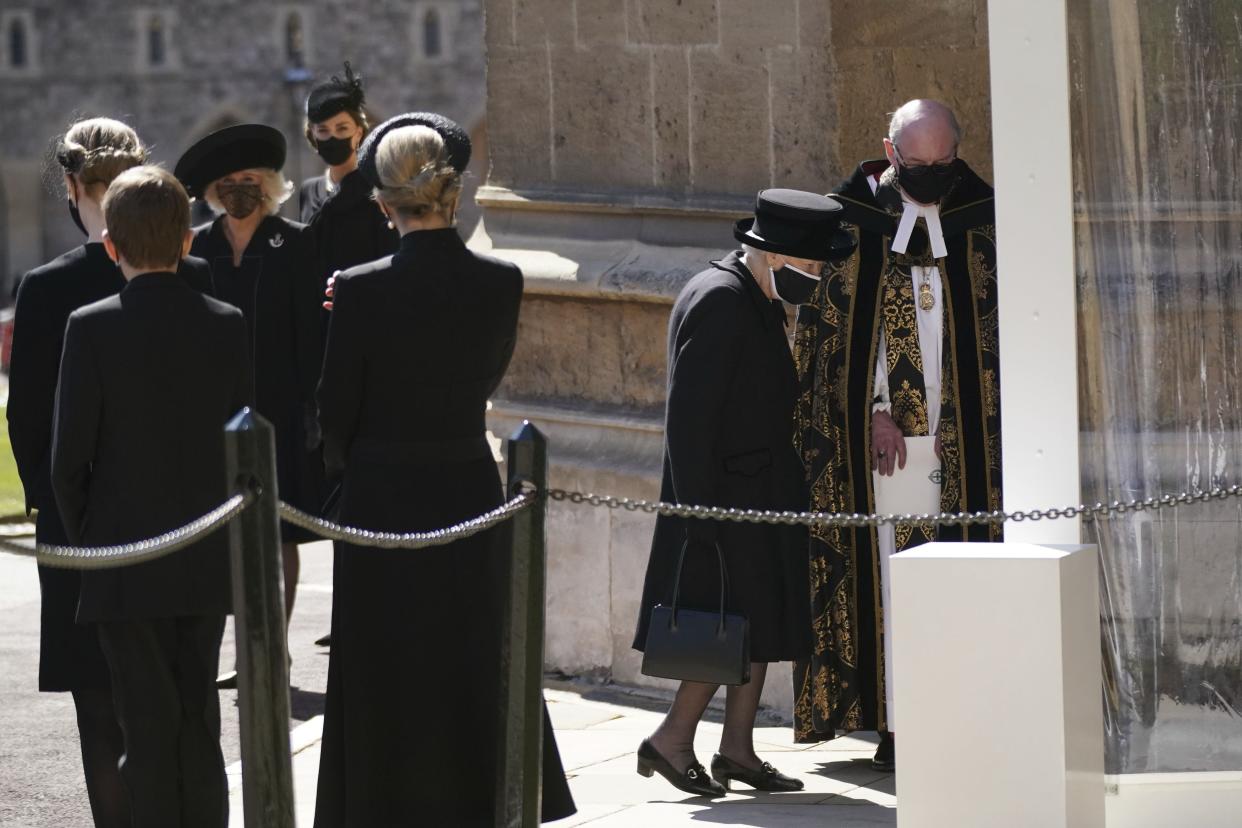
(12, 499)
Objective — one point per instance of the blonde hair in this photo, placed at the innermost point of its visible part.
(413, 166)
(147, 214)
(276, 191)
(96, 150)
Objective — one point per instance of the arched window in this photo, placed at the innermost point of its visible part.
(432, 45)
(19, 53)
(295, 48)
(157, 45)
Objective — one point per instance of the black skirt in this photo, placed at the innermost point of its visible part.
(412, 719)
(70, 657)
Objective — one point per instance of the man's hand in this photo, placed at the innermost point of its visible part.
(888, 446)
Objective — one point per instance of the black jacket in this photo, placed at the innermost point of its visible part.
(279, 294)
(46, 297)
(729, 442)
(346, 224)
(417, 343)
(147, 382)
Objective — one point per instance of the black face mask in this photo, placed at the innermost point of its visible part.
(927, 184)
(335, 151)
(239, 200)
(76, 215)
(794, 286)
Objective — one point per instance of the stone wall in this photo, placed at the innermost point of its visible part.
(226, 61)
(627, 136)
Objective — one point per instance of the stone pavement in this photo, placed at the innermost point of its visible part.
(598, 732)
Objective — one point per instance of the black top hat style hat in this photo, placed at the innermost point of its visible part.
(798, 224)
(334, 96)
(240, 147)
(456, 141)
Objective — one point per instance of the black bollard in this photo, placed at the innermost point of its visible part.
(521, 748)
(259, 622)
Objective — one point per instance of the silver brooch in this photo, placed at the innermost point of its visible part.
(276, 241)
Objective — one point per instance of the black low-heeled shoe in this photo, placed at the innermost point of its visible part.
(766, 778)
(694, 781)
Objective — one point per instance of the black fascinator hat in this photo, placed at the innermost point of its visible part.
(334, 96)
(456, 141)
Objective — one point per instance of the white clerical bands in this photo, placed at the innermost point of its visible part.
(909, 217)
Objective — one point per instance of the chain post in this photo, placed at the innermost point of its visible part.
(521, 708)
(259, 622)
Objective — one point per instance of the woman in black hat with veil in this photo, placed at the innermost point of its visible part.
(729, 433)
(347, 226)
(402, 405)
(340, 215)
(264, 264)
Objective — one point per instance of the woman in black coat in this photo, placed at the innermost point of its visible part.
(402, 405)
(265, 265)
(729, 442)
(337, 207)
(91, 154)
(345, 222)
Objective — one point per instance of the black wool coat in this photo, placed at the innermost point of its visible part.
(278, 292)
(732, 388)
(346, 223)
(417, 343)
(147, 382)
(69, 655)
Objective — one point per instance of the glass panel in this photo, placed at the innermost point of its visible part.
(155, 42)
(17, 44)
(431, 34)
(1155, 102)
(293, 40)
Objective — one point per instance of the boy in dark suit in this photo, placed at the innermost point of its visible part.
(147, 381)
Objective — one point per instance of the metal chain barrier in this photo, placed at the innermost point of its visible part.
(407, 540)
(128, 554)
(1086, 512)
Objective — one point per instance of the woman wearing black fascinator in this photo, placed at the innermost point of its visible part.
(347, 225)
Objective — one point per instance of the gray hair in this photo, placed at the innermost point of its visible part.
(922, 109)
(276, 191)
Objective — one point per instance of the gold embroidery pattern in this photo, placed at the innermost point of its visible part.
(832, 692)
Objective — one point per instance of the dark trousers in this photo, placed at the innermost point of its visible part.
(163, 682)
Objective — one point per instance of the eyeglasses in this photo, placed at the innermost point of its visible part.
(916, 170)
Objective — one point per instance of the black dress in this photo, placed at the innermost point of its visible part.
(729, 442)
(277, 290)
(69, 653)
(346, 223)
(416, 345)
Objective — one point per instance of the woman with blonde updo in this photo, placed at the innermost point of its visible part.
(401, 406)
(89, 156)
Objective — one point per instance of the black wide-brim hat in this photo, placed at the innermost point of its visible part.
(456, 141)
(798, 224)
(240, 147)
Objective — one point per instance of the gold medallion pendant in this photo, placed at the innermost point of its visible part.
(927, 299)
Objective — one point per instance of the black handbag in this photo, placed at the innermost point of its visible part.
(697, 645)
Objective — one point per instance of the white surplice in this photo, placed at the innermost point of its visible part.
(930, 332)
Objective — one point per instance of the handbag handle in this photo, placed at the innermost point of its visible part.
(681, 562)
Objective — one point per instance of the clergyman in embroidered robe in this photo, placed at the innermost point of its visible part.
(900, 340)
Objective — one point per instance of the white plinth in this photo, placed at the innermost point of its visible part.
(996, 656)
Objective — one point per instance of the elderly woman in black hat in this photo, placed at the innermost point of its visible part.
(265, 265)
(729, 442)
(337, 206)
(402, 405)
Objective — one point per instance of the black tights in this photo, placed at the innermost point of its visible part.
(102, 748)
